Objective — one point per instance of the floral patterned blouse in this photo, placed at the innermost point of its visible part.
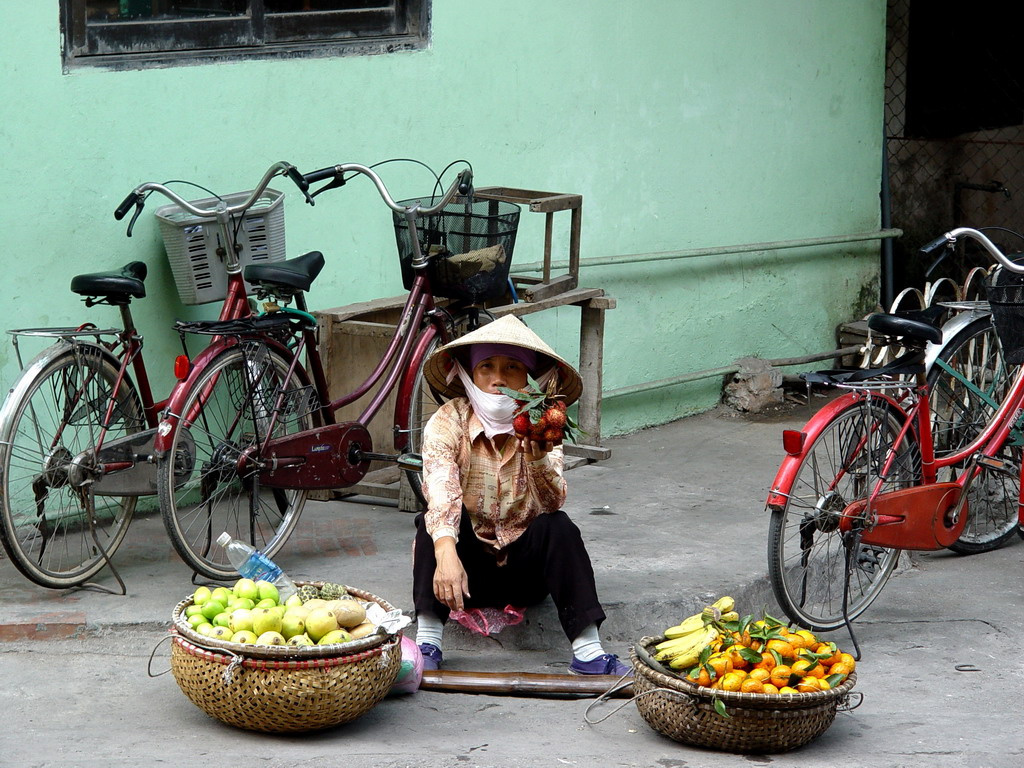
(500, 489)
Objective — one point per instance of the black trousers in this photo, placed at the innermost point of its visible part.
(550, 558)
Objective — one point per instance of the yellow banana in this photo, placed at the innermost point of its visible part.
(667, 647)
(685, 627)
(691, 654)
(730, 616)
(724, 604)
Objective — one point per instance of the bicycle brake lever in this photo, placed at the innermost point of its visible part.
(337, 181)
(135, 217)
(300, 182)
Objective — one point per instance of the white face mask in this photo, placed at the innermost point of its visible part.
(495, 411)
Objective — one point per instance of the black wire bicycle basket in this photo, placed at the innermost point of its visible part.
(469, 243)
(1005, 291)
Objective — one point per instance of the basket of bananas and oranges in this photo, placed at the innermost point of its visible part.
(740, 684)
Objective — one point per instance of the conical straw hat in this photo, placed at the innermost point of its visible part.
(505, 330)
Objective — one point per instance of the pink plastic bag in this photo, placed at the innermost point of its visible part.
(410, 673)
(489, 621)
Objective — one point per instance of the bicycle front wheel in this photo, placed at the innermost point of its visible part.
(967, 383)
(814, 566)
(50, 425)
(203, 490)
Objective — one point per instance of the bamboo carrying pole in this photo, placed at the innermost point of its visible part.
(522, 683)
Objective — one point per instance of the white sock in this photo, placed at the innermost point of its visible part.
(587, 646)
(428, 629)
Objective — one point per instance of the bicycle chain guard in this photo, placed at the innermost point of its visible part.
(910, 518)
(322, 457)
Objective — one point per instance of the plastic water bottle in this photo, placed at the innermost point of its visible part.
(253, 564)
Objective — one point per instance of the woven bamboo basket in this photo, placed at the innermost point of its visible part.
(758, 723)
(284, 688)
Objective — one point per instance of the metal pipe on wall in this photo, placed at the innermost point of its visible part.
(721, 250)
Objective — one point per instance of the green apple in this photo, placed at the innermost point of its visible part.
(197, 619)
(279, 609)
(270, 638)
(265, 620)
(245, 636)
(246, 588)
(300, 640)
(293, 602)
(266, 603)
(212, 607)
(334, 636)
(201, 595)
(241, 619)
(222, 594)
(241, 602)
(220, 633)
(205, 629)
(192, 610)
(292, 624)
(268, 590)
(222, 619)
(319, 622)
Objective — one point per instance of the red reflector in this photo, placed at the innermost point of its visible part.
(793, 441)
(182, 366)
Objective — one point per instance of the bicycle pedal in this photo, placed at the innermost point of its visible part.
(996, 465)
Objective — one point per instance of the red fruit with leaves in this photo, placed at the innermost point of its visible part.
(542, 415)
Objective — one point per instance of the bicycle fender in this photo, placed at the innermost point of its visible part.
(782, 485)
(38, 363)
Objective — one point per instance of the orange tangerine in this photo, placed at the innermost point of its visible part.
(810, 640)
(783, 648)
(828, 648)
(732, 681)
(770, 688)
(781, 676)
(699, 676)
(808, 685)
(808, 668)
(720, 663)
(750, 685)
(840, 669)
(767, 662)
(760, 673)
(788, 689)
(845, 658)
(824, 684)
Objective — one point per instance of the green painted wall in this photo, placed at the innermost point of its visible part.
(683, 124)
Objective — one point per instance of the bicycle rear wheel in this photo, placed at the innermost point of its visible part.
(202, 490)
(807, 551)
(962, 401)
(48, 426)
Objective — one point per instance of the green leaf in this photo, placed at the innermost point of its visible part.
(834, 680)
(720, 707)
(705, 654)
(746, 621)
(778, 658)
(750, 654)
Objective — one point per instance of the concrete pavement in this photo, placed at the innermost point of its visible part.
(673, 519)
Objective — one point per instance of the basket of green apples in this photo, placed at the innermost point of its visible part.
(321, 658)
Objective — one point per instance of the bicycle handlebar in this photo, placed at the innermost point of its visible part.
(949, 239)
(137, 196)
(463, 185)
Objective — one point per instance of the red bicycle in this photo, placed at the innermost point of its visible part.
(251, 426)
(904, 458)
(78, 426)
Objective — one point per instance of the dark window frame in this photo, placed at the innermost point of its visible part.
(399, 25)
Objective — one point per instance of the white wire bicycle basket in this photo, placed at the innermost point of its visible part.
(191, 243)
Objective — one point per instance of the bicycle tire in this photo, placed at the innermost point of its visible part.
(806, 547)
(202, 493)
(424, 402)
(53, 414)
(959, 413)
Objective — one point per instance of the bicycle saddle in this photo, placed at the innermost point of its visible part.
(297, 274)
(916, 326)
(119, 286)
